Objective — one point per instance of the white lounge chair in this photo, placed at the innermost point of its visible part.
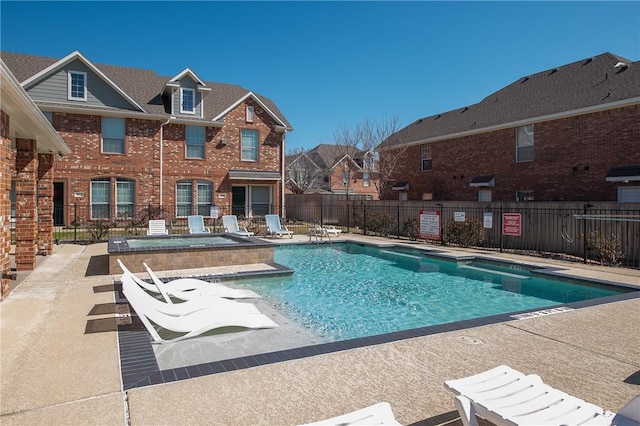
(274, 228)
(196, 225)
(193, 305)
(188, 288)
(319, 233)
(377, 414)
(193, 324)
(157, 227)
(505, 396)
(333, 231)
(230, 224)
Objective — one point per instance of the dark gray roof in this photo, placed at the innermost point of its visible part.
(254, 174)
(326, 156)
(587, 83)
(144, 86)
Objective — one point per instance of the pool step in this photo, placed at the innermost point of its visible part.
(490, 271)
(412, 256)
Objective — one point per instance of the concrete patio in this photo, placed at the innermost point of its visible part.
(53, 372)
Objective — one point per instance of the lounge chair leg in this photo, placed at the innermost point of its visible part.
(467, 413)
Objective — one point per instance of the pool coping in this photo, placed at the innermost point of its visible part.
(139, 367)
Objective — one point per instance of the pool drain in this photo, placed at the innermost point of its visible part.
(470, 340)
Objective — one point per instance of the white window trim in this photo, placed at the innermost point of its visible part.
(257, 146)
(193, 93)
(249, 113)
(531, 144)
(69, 75)
(203, 144)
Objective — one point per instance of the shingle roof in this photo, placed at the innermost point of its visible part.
(586, 83)
(326, 155)
(144, 86)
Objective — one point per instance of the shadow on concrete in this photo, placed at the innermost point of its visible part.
(98, 265)
(633, 379)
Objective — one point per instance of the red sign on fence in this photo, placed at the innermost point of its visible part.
(429, 223)
(512, 224)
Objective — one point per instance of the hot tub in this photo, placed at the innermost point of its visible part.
(171, 252)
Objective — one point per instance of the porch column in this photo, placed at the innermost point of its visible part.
(26, 204)
(6, 162)
(45, 203)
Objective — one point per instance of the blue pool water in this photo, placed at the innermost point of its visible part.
(344, 291)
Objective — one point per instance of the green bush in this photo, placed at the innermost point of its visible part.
(381, 223)
(410, 229)
(465, 234)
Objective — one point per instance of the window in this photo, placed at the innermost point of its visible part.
(187, 101)
(524, 196)
(113, 135)
(100, 198)
(260, 200)
(249, 145)
(77, 86)
(249, 113)
(49, 116)
(366, 179)
(524, 143)
(425, 157)
(185, 197)
(484, 195)
(125, 198)
(194, 138)
(205, 198)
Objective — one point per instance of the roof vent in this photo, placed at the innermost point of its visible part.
(621, 65)
(464, 110)
(438, 116)
(553, 71)
(587, 61)
(418, 122)
(524, 80)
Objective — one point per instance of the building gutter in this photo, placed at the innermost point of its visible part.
(161, 145)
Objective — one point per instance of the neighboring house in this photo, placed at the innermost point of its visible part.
(141, 139)
(333, 169)
(28, 145)
(571, 133)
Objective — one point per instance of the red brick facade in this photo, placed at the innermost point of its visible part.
(572, 157)
(141, 161)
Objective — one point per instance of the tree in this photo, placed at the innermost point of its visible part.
(348, 139)
(302, 173)
(379, 136)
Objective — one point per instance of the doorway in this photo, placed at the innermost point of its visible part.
(239, 201)
(58, 204)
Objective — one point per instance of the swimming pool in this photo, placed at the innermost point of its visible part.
(345, 291)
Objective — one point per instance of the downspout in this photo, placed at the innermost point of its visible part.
(161, 144)
(282, 210)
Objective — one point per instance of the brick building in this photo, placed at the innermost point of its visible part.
(28, 144)
(140, 139)
(571, 133)
(334, 169)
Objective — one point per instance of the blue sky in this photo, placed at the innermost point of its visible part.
(333, 64)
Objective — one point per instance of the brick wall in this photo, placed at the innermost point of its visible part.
(141, 162)
(572, 158)
(26, 204)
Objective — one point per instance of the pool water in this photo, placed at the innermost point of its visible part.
(345, 291)
(177, 242)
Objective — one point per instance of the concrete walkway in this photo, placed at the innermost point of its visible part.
(52, 372)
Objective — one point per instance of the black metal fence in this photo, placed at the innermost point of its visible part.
(607, 235)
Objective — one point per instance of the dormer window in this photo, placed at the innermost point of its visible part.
(187, 101)
(249, 114)
(77, 86)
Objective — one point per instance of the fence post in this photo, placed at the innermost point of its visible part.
(348, 218)
(364, 219)
(584, 232)
(75, 223)
(442, 243)
(321, 215)
(398, 221)
(500, 230)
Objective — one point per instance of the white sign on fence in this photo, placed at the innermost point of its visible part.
(488, 220)
(458, 216)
